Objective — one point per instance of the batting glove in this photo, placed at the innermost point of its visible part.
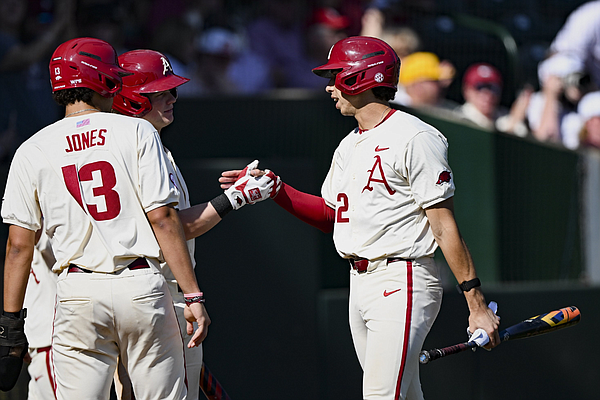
(480, 336)
(250, 189)
(13, 347)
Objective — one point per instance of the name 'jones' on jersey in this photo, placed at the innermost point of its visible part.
(85, 140)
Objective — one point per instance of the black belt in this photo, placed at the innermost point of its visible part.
(361, 264)
(139, 263)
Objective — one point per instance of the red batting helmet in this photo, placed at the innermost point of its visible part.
(86, 62)
(361, 63)
(152, 72)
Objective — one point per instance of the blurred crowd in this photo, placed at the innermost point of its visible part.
(243, 47)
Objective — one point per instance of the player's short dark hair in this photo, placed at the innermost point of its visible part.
(384, 93)
(73, 95)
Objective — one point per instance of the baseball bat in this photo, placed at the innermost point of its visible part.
(210, 386)
(538, 325)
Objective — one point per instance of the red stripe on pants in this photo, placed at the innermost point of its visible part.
(409, 305)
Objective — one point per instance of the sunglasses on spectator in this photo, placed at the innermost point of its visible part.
(489, 86)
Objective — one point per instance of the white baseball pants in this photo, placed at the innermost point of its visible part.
(391, 310)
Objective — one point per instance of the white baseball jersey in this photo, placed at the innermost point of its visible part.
(183, 203)
(40, 298)
(93, 178)
(580, 38)
(193, 356)
(379, 183)
(40, 295)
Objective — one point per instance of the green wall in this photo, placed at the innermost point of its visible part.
(517, 201)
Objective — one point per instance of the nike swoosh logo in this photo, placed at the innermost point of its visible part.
(382, 149)
(38, 377)
(386, 293)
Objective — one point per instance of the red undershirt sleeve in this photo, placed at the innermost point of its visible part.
(309, 208)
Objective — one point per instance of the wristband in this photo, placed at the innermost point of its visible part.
(222, 205)
(17, 315)
(468, 285)
(191, 298)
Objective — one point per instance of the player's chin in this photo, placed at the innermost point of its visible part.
(168, 119)
(346, 113)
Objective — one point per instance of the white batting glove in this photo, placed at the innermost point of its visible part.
(480, 336)
(250, 189)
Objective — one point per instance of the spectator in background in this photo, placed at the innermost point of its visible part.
(424, 80)
(326, 28)
(175, 39)
(25, 46)
(579, 38)
(279, 36)
(226, 65)
(105, 21)
(588, 111)
(482, 91)
(402, 39)
(563, 82)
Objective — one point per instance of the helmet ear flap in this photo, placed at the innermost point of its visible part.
(345, 83)
(109, 83)
(135, 105)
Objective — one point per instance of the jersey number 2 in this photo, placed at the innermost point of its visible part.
(108, 181)
(343, 198)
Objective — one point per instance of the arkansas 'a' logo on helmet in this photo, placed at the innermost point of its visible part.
(444, 177)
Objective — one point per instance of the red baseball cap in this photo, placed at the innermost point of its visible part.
(329, 16)
(482, 73)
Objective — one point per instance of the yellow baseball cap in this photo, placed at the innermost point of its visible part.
(420, 66)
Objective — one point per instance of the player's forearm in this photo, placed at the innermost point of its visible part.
(307, 207)
(198, 219)
(171, 238)
(461, 264)
(457, 255)
(19, 254)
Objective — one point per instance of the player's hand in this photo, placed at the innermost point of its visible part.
(13, 347)
(251, 186)
(480, 336)
(228, 178)
(196, 312)
(486, 319)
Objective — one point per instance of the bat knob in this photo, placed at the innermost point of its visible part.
(424, 357)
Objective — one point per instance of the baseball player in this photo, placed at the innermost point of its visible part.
(150, 93)
(106, 190)
(388, 199)
(39, 302)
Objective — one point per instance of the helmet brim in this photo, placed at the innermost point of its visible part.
(167, 83)
(329, 70)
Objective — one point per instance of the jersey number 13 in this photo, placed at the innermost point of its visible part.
(102, 193)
